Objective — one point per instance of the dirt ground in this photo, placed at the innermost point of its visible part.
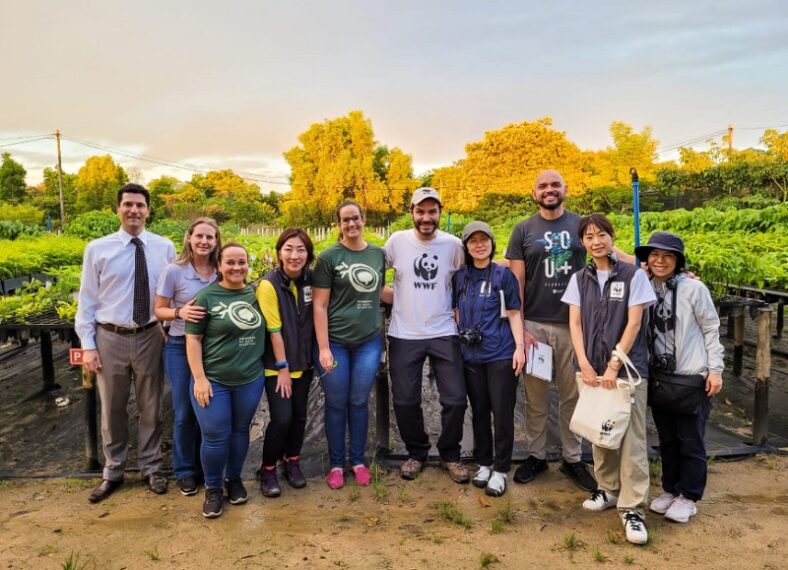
(392, 524)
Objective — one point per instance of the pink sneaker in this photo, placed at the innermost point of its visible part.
(336, 478)
(362, 475)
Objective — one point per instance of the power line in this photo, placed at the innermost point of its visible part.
(29, 140)
(23, 137)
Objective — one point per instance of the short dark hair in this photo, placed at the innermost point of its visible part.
(133, 188)
(303, 236)
(598, 220)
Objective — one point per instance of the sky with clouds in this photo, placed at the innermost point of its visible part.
(232, 84)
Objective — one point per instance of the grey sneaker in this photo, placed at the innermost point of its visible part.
(681, 510)
(600, 501)
(482, 476)
(662, 503)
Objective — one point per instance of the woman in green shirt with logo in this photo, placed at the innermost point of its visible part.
(225, 351)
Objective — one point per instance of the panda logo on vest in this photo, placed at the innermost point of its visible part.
(617, 290)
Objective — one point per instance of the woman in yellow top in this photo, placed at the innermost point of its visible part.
(285, 298)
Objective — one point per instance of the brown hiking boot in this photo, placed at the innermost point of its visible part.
(411, 469)
(457, 471)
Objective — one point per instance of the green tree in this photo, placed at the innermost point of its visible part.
(159, 189)
(611, 167)
(12, 180)
(97, 184)
(339, 159)
(776, 143)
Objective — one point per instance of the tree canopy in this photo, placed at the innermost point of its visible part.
(12, 180)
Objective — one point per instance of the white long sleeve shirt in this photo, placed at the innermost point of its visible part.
(106, 293)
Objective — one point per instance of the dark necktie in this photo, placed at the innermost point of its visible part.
(141, 286)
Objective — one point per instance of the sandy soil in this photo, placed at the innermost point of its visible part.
(392, 524)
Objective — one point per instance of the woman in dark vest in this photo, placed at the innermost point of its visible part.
(606, 302)
(486, 300)
(285, 298)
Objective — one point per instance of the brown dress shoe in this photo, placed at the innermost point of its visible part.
(104, 490)
(157, 483)
(457, 471)
(411, 469)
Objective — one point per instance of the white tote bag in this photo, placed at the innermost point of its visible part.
(601, 414)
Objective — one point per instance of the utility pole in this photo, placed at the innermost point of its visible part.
(729, 140)
(60, 181)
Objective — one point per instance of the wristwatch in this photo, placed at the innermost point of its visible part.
(281, 364)
(177, 314)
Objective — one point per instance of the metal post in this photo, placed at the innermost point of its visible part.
(763, 364)
(60, 181)
(738, 339)
(382, 429)
(47, 361)
(780, 320)
(91, 413)
(636, 204)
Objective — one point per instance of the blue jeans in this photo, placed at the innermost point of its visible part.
(185, 429)
(225, 425)
(346, 391)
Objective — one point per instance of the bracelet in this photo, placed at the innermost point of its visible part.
(177, 314)
(281, 364)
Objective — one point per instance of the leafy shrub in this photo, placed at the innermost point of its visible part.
(25, 214)
(92, 225)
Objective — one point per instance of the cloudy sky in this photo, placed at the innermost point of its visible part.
(233, 83)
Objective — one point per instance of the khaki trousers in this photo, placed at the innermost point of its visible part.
(624, 471)
(125, 359)
(537, 393)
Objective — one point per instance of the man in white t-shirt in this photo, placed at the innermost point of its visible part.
(422, 325)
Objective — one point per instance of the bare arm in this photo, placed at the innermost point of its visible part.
(202, 387)
(516, 326)
(284, 383)
(320, 298)
(387, 295)
(634, 319)
(517, 266)
(625, 257)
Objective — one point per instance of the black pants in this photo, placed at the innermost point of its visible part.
(284, 435)
(406, 359)
(683, 451)
(492, 389)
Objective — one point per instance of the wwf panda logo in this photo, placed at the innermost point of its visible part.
(426, 266)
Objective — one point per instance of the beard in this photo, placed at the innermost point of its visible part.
(551, 206)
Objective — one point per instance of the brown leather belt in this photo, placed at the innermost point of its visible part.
(126, 330)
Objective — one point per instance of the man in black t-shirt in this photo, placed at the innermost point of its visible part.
(544, 251)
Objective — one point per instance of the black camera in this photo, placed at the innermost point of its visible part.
(662, 362)
(469, 337)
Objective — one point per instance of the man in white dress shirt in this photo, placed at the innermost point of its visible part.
(122, 340)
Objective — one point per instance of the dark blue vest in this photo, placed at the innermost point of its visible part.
(298, 331)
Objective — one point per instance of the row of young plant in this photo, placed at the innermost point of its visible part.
(737, 247)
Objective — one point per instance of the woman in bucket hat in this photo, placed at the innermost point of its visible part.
(684, 342)
(486, 301)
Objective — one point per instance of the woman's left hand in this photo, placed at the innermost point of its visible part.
(713, 383)
(518, 359)
(609, 378)
(284, 384)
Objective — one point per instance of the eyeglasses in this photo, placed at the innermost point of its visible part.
(350, 219)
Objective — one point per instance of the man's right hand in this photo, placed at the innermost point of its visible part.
(529, 340)
(91, 360)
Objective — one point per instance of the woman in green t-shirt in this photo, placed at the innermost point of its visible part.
(225, 351)
(347, 282)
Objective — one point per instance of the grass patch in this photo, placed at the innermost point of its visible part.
(343, 518)
(379, 488)
(452, 513)
(614, 536)
(655, 471)
(710, 460)
(571, 542)
(496, 525)
(506, 512)
(402, 493)
(4, 483)
(47, 550)
(437, 539)
(599, 556)
(73, 563)
(766, 461)
(354, 495)
(487, 558)
(153, 554)
(629, 560)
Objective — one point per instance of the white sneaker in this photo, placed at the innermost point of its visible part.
(600, 500)
(635, 527)
(662, 503)
(681, 510)
(482, 476)
(497, 484)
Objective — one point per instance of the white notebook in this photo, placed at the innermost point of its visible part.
(540, 361)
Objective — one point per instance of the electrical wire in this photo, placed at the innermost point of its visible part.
(35, 139)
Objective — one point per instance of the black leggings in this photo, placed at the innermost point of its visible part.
(284, 435)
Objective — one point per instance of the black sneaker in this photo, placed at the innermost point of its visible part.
(529, 469)
(580, 474)
(293, 474)
(188, 485)
(214, 503)
(269, 483)
(236, 492)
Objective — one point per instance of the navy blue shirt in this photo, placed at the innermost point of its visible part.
(475, 293)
